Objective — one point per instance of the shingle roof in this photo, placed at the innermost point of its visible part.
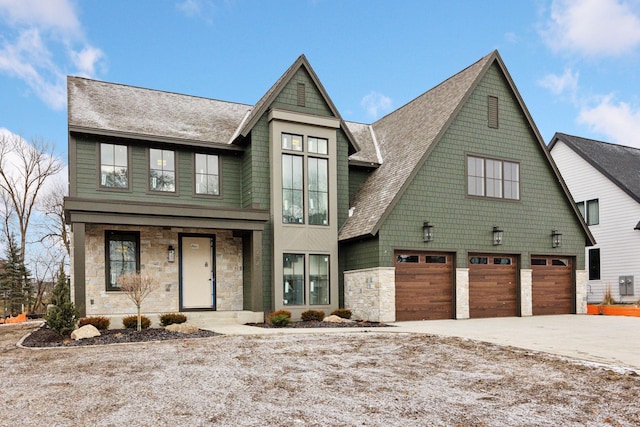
(368, 154)
(405, 137)
(146, 112)
(619, 163)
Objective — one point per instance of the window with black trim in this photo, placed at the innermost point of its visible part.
(122, 256)
(493, 178)
(319, 279)
(594, 264)
(114, 166)
(293, 274)
(305, 180)
(162, 170)
(590, 211)
(207, 178)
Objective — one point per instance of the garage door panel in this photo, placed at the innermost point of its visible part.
(424, 289)
(492, 286)
(552, 285)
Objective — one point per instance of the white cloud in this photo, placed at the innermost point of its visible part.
(376, 103)
(594, 27)
(559, 84)
(39, 34)
(620, 122)
(197, 9)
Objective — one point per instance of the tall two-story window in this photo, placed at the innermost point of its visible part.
(122, 253)
(207, 175)
(493, 178)
(114, 166)
(162, 170)
(294, 195)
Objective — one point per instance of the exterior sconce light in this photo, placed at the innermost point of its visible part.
(556, 239)
(171, 254)
(427, 231)
(497, 236)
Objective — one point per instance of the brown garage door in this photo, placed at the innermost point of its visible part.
(424, 286)
(552, 285)
(492, 286)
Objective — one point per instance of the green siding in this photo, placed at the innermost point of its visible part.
(464, 224)
(343, 177)
(88, 176)
(357, 177)
(361, 254)
(287, 99)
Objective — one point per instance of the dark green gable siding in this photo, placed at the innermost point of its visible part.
(343, 177)
(464, 224)
(287, 99)
(357, 177)
(88, 176)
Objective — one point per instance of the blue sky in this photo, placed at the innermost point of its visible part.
(575, 62)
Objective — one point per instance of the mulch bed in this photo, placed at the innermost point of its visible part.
(319, 324)
(45, 337)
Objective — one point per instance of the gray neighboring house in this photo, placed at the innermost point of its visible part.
(448, 207)
(604, 180)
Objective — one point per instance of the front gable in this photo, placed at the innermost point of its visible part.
(302, 95)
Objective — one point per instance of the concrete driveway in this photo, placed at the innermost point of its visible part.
(611, 340)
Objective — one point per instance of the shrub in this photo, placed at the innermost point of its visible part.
(286, 313)
(61, 318)
(171, 318)
(100, 322)
(131, 322)
(279, 320)
(310, 315)
(344, 313)
(607, 299)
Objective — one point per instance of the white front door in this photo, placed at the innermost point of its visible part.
(198, 278)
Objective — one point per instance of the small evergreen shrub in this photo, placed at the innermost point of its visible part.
(286, 313)
(100, 322)
(279, 320)
(310, 315)
(171, 318)
(131, 322)
(62, 317)
(344, 313)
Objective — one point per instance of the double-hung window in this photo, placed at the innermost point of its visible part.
(162, 170)
(207, 174)
(305, 180)
(493, 178)
(122, 253)
(114, 166)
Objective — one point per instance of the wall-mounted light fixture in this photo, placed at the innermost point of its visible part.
(171, 254)
(427, 231)
(556, 239)
(497, 236)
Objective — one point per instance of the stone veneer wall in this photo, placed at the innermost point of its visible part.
(462, 293)
(581, 291)
(153, 259)
(371, 294)
(526, 292)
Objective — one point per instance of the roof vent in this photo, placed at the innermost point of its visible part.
(301, 95)
(492, 112)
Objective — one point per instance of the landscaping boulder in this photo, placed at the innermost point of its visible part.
(336, 319)
(87, 331)
(183, 328)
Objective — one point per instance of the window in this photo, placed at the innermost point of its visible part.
(318, 279)
(493, 178)
(408, 258)
(478, 260)
(502, 261)
(592, 212)
(291, 142)
(594, 264)
(318, 191)
(122, 253)
(538, 261)
(435, 259)
(207, 175)
(292, 189)
(114, 166)
(299, 188)
(293, 279)
(492, 112)
(162, 170)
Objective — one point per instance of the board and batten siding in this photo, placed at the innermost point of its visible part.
(619, 243)
(88, 170)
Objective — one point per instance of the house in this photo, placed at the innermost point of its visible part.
(449, 207)
(604, 180)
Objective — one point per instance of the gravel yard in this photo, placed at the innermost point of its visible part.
(360, 378)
